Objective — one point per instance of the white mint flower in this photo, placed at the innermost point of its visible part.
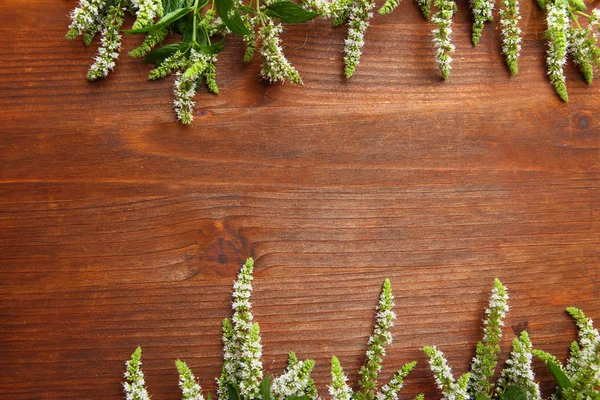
(482, 12)
(190, 389)
(358, 22)
(275, 67)
(484, 362)
(378, 341)
(85, 16)
(186, 86)
(558, 23)
(339, 389)
(511, 33)
(442, 39)
(296, 381)
(110, 44)
(147, 10)
(134, 387)
(518, 371)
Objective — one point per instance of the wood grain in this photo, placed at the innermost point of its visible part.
(119, 227)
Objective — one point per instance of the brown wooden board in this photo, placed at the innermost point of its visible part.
(120, 227)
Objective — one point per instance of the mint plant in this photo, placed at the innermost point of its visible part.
(516, 379)
(242, 376)
(202, 26)
(580, 379)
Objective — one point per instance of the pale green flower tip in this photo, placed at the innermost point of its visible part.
(292, 359)
(524, 338)
(255, 329)
(137, 354)
(499, 286)
(420, 396)
(407, 368)
(463, 381)
(181, 366)
(249, 263)
(72, 34)
(429, 351)
(576, 313)
(335, 365)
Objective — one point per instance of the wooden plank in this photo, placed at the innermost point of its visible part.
(119, 227)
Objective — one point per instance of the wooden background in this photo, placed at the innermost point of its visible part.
(119, 227)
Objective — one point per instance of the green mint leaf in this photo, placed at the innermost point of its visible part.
(164, 21)
(298, 397)
(160, 54)
(234, 391)
(577, 5)
(231, 18)
(170, 5)
(247, 9)
(265, 388)
(215, 48)
(514, 393)
(289, 12)
(559, 375)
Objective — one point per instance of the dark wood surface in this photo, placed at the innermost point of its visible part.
(119, 227)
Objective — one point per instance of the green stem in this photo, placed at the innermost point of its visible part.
(195, 29)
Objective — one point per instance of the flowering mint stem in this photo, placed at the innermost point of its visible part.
(442, 35)
(134, 386)
(511, 33)
(339, 389)
(482, 12)
(518, 371)
(377, 342)
(190, 389)
(557, 20)
(485, 360)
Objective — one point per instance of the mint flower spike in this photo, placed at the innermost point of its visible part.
(420, 396)
(322, 7)
(229, 357)
(557, 20)
(425, 7)
(340, 11)
(275, 66)
(152, 39)
(392, 388)
(485, 360)
(110, 43)
(358, 22)
(388, 6)
(482, 13)
(588, 335)
(547, 357)
(246, 336)
(442, 39)
(511, 33)
(85, 16)
(339, 389)
(442, 374)
(582, 46)
(186, 86)
(296, 382)
(147, 10)
(518, 371)
(583, 366)
(190, 389)
(377, 342)
(135, 387)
